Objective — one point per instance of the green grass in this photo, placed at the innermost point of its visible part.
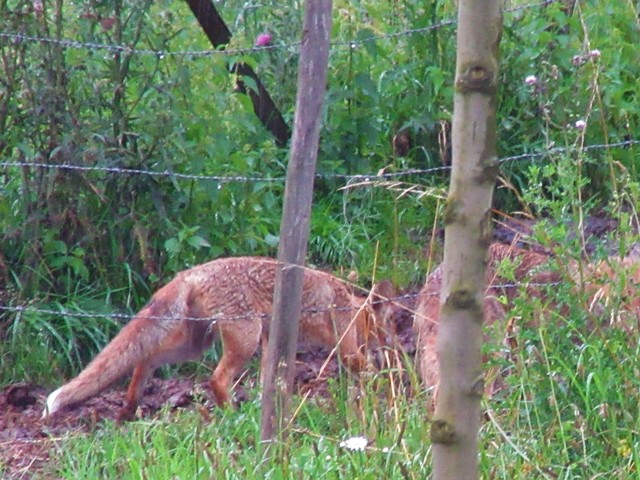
(183, 445)
(41, 343)
(570, 410)
(571, 406)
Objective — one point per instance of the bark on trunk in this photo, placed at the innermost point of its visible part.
(294, 231)
(467, 236)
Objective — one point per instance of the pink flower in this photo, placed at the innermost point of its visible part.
(263, 40)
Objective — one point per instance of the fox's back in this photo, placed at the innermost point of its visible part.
(231, 287)
(233, 294)
(235, 287)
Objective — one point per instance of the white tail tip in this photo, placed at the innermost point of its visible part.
(51, 405)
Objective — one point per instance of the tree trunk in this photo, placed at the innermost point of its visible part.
(467, 219)
(263, 106)
(294, 231)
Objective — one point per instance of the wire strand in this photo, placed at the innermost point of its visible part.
(73, 44)
(280, 179)
(397, 300)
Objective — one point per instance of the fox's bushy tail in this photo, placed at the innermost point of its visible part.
(114, 362)
(147, 330)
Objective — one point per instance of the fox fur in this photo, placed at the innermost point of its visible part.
(528, 267)
(613, 282)
(594, 279)
(233, 297)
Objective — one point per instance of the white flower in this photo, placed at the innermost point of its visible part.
(580, 124)
(594, 53)
(386, 449)
(355, 443)
(531, 80)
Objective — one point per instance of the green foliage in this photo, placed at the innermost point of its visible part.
(116, 109)
(356, 230)
(93, 242)
(566, 84)
(568, 410)
(54, 342)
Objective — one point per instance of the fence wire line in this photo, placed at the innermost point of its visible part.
(73, 44)
(216, 318)
(331, 176)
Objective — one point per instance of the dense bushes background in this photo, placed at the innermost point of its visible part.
(110, 84)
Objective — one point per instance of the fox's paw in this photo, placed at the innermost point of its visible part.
(126, 414)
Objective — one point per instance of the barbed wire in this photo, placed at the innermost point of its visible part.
(74, 44)
(396, 300)
(330, 176)
(137, 171)
(444, 23)
(560, 150)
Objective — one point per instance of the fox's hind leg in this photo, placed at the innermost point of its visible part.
(141, 374)
(239, 342)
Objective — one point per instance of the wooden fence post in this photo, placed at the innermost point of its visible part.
(294, 230)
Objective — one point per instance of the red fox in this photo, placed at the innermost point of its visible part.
(597, 280)
(233, 297)
(427, 317)
(614, 282)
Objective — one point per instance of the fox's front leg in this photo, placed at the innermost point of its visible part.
(141, 374)
(349, 351)
(239, 342)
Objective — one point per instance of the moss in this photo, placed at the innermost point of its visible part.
(477, 388)
(450, 214)
(443, 432)
(486, 231)
(476, 77)
(490, 170)
(461, 299)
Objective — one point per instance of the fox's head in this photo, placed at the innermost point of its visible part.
(374, 316)
(613, 287)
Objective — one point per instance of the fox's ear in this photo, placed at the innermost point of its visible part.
(380, 292)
